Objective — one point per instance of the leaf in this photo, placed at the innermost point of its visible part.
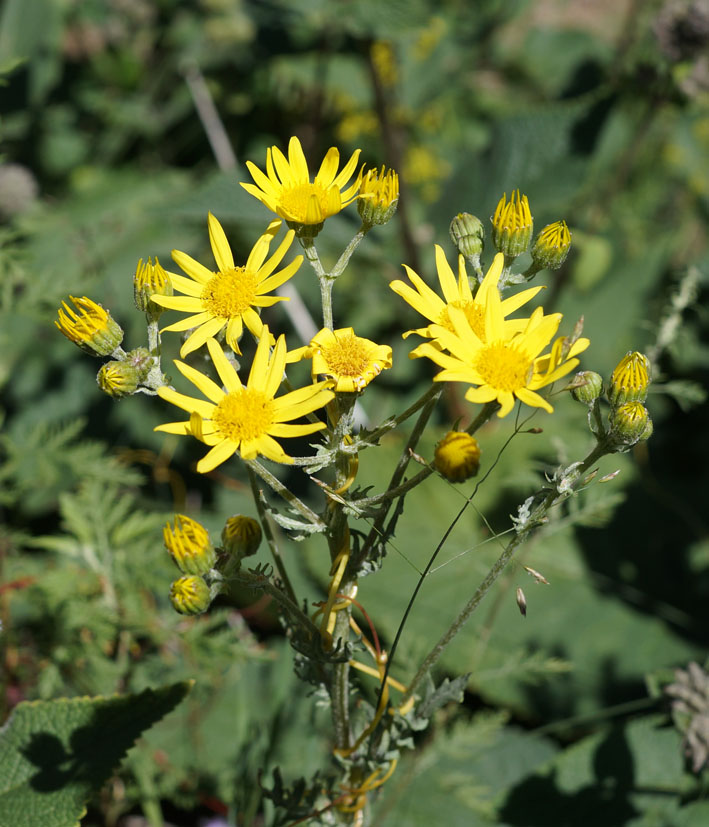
(55, 754)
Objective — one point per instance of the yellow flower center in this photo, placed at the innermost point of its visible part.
(474, 313)
(244, 414)
(503, 367)
(230, 292)
(305, 203)
(348, 356)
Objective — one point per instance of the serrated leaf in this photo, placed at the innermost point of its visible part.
(55, 754)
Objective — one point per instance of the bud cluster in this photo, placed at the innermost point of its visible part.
(628, 420)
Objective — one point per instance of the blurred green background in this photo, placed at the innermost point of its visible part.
(122, 122)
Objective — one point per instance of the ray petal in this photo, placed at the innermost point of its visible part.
(203, 383)
(192, 267)
(328, 168)
(216, 456)
(449, 286)
(225, 369)
(199, 337)
(220, 246)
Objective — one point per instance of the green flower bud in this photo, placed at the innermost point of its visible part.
(630, 423)
(118, 379)
(587, 386)
(468, 235)
(551, 246)
(89, 326)
(190, 595)
(150, 279)
(241, 536)
(630, 380)
(457, 456)
(512, 225)
(189, 546)
(378, 196)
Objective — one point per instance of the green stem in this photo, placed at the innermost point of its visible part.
(344, 259)
(270, 539)
(536, 517)
(285, 493)
(390, 424)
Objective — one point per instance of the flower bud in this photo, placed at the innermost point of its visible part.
(189, 546)
(468, 234)
(241, 536)
(630, 380)
(512, 225)
(190, 595)
(551, 246)
(118, 379)
(630, 423)
(378, 196)
(150, 279)
(89, 326)
(457, 456)
(587, 386)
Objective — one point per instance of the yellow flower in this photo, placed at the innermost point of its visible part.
(457, 456)
(229, 297)
(244, 418)
(92, 328)
(348, 359)
(502, 365)
(287, 190)
(457, 294)
(512, 224)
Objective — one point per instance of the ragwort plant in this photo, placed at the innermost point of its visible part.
(474, 330)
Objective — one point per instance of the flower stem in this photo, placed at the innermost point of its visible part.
(344, 259)
(284, 492)
(270, 539)
(535, 519)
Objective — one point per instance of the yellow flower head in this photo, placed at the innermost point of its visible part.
(245, 418)
(89, 326)
(230, 297)
(189, 545)
(512, 225)
(501, 364)
(378, 196)
(351, 361)
(457, 294)
(150, 279)
(457, 456)
(630, 380)
(287, 190)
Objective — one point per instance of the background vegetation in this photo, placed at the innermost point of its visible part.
(110, 152)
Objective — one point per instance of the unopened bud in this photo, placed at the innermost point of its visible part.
(468, 235)
(457, 456)
(118, 379)
(241, 536)
(189, 545)
(512, 225)
(630, 380)
(89, 326)
(521, 602)
(630, 423)
(587, 386)
(150, 280)
(551, 246)
(378, 196)
(190, 595)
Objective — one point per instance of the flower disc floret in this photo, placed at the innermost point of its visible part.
(458, 294)
(231, 297)
(351, 361)
(286, 188)
(245, 418)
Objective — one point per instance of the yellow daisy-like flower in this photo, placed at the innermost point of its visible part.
(245, 418)
(230, 297)
(287, 190)
(503, 366)
(457, 293)
(348, 359)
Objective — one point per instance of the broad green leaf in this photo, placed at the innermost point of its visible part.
(55, 754)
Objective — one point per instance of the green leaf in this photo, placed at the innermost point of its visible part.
(55, 754)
